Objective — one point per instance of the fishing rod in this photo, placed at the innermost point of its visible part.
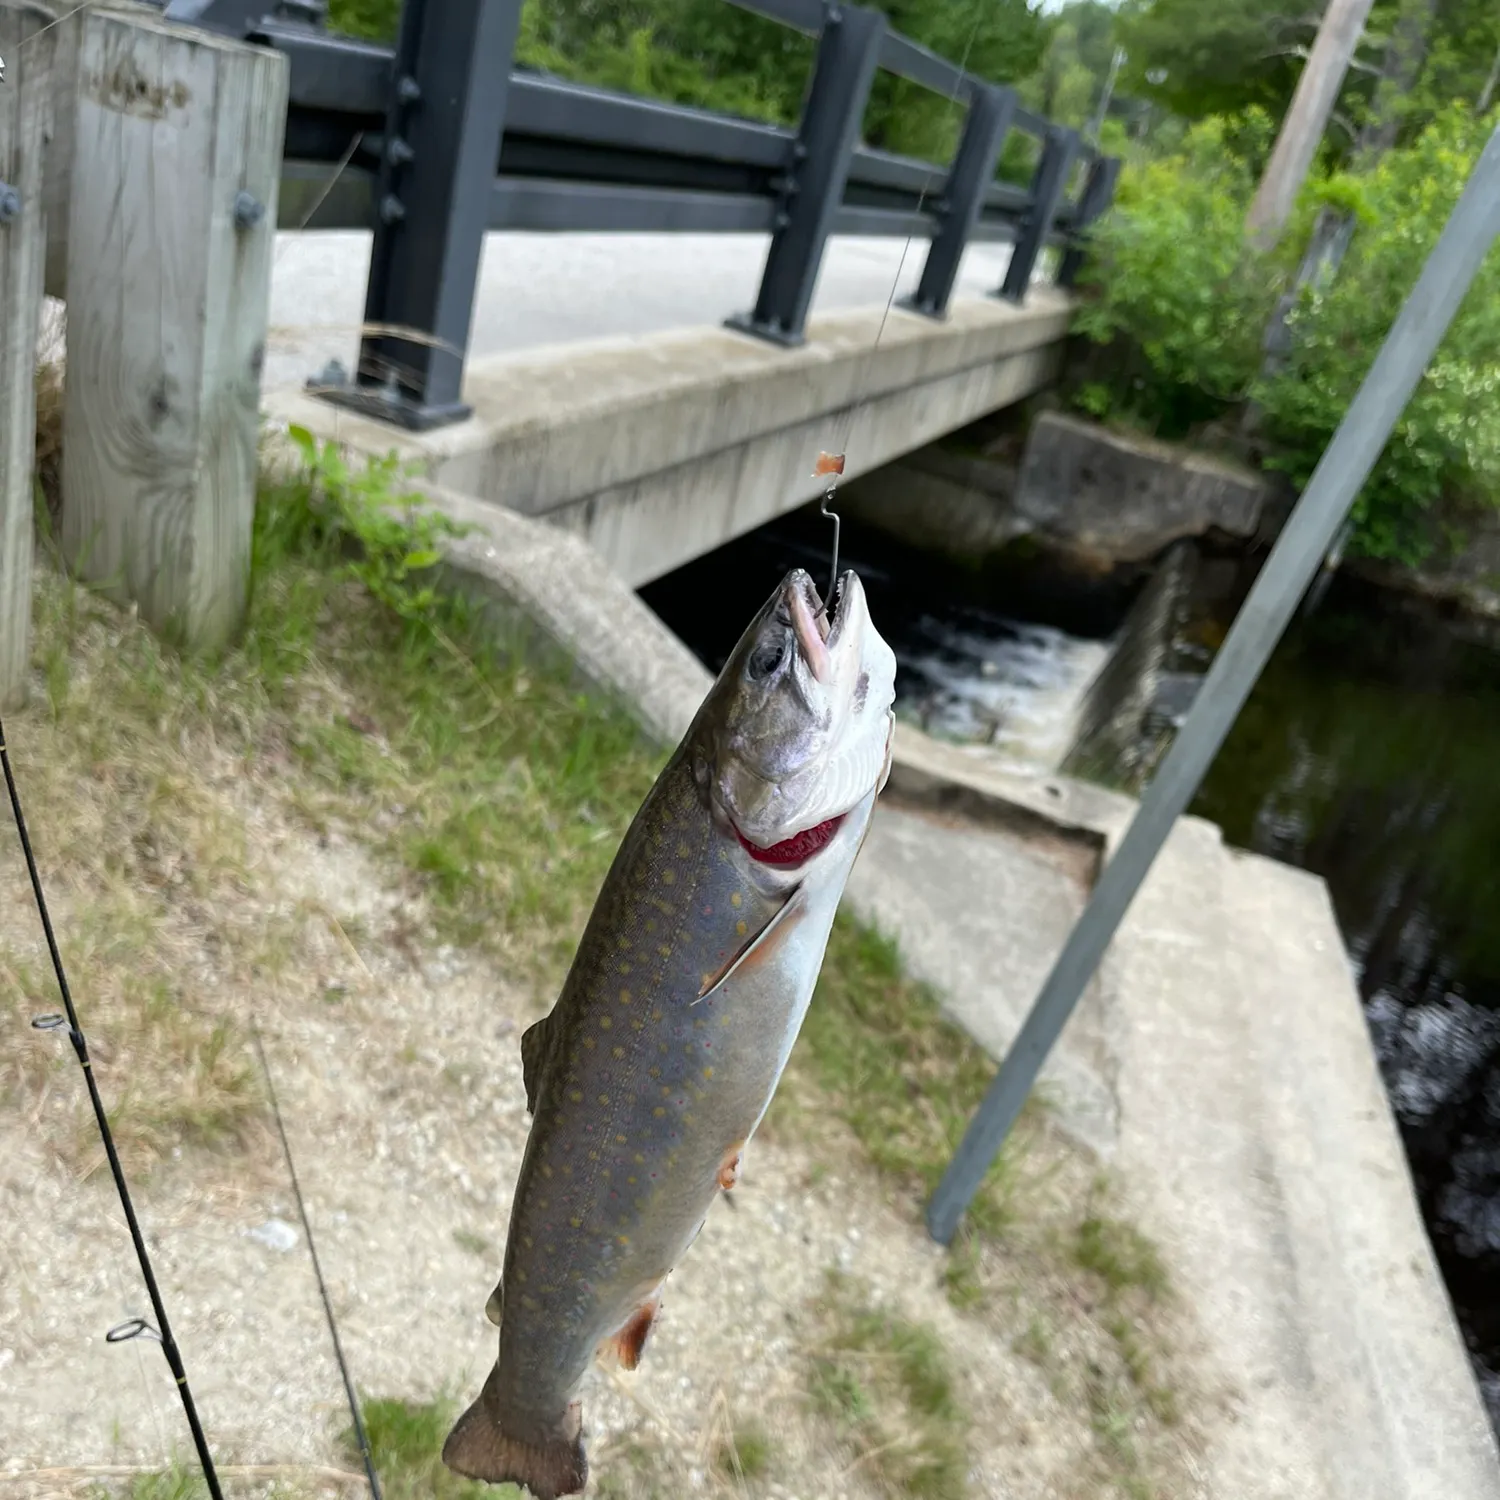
(161, 1331)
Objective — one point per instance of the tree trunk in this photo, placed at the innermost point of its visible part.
(1487, 93)
(1302, 128)
(1333, 230)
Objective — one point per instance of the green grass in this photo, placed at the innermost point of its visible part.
(747, 1453)
(1120, 1255)
(406, 1444)
(500, 788)
(883, 1383)
(899, 1074)
(177, 1482)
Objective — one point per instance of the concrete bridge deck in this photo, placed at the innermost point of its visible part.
(657, 446)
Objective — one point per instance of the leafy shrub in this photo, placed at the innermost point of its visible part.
(1446, 446)
(1174, 293)
(1178, 306)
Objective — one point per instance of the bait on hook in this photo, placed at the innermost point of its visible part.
(831, 466)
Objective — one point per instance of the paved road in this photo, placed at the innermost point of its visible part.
(537, 289)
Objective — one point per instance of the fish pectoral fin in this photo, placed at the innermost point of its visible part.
(496, 1305)
(625, 1346)
(535, 1044)
(757, 947)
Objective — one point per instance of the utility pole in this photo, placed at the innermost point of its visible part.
(1317, 92)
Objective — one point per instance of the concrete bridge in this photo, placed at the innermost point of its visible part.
(610, 400)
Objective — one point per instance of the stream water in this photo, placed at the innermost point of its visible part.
(1369, 753)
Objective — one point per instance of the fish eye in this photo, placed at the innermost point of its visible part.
(766, 658)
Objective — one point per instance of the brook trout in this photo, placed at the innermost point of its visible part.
(648, 1078)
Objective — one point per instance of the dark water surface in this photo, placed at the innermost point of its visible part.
(1369, 753)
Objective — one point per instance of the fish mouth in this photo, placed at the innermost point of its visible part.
(817, 626)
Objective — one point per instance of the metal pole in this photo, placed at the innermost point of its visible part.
(991, 110)
(1047, 189)
(812, 189)
(1296, 557)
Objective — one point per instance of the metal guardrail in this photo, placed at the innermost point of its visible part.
(442, 138)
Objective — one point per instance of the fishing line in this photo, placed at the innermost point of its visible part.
(361, 1437)
(136, 1327)
(832, 464)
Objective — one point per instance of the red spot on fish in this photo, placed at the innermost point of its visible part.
(796, 850)
(708, 911)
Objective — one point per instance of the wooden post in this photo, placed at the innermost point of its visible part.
(172, 214)
(26, 47)
(66, 33)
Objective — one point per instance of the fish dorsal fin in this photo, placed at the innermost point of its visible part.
(535, 1045)
(755, 947)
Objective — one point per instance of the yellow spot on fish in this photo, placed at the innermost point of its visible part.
(624, 968)
(656, 1014)
(617, 1051)
(604, 1098)
(546, 1171)
(529, 1302)
(576, 1223)
(605, 1023)
(723, 1020)
(683, 852)
(567, 1171)
(588, 1042)
(688, 1119)
(740, 928)
(520, 1276)
(736, 899)
(653, 1071)
(665, 950)
(651, 924)
(640, 1161)
(620, 1138)
(625, 997)
(637, 1025)
(658, 1111)
(526, 1240)
(622, 943)
(708, 1072)
(630, 1181)
(622, 1239)
(666, 1091)
(576, 1095)
(593, 1156)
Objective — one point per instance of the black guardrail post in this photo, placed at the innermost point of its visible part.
(812, 190)
(1093, 204)
(437, 182)
(990, 112)
(1047, 189)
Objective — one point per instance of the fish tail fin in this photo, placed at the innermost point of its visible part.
(547, 1462)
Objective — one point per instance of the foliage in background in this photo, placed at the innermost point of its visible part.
(1174, 295)
(1215, 59)
(713, 55)
(1447, 444)
(1179, 306)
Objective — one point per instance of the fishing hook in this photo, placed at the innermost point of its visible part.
(830, 465)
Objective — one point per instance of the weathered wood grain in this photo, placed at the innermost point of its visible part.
(26, 46)
(167, 310)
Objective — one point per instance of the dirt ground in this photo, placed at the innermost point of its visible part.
(398, 1068)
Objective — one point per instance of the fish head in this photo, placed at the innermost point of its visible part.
(799, 723)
